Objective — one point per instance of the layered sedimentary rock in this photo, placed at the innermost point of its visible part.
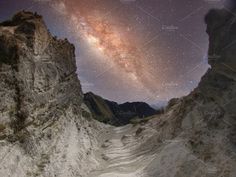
(45, 129)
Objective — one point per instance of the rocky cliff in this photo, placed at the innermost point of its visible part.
(117, 114)
(47, 131)
(44, 124)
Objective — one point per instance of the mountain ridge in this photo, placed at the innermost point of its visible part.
(117, 114)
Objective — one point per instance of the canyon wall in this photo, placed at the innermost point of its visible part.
(45, 129)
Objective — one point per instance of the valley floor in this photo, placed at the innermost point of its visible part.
(137, 151)
(116, 154)
(132, 151)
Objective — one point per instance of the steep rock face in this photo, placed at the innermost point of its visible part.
(201, 126)
(44, 124)
(117, 114)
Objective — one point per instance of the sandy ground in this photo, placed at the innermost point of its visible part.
(118, 155)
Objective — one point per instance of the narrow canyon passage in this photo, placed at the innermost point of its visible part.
(137, 151)
(118, 153)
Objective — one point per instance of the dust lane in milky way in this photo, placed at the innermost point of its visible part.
(130, 50)
(140, 46)
(116, 44)
(115, 37)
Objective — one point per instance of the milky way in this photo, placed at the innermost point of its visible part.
(130, 50)
(140, 46)
(118, 48)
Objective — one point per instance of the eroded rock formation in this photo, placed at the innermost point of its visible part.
(42, 130)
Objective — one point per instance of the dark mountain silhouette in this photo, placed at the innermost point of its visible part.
(116, 114)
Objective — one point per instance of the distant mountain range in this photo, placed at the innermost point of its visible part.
(116, 114)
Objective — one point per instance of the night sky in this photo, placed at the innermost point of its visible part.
(130, 50)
